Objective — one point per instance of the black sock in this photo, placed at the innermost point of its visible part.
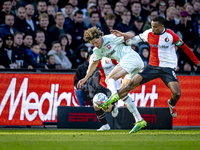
(101, 116)
(172, 102)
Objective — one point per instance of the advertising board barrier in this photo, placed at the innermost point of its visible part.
(80, 117)
(85, 117)
(31, 99)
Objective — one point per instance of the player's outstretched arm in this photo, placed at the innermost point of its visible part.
(90, 70)
(133, 41)
(187, 50)
(127, 35)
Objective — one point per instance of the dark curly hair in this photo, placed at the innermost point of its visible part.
(92, 33)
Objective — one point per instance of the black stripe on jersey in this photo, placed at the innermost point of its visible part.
(141, 38)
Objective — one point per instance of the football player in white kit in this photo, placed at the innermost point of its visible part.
(130, 63)
(162, 63)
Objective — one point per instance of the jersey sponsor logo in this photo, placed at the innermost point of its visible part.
(108, 46)
(109, 54)
(153, 45)
(166, 39)
(162, 46)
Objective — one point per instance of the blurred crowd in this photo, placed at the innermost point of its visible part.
(49, 33)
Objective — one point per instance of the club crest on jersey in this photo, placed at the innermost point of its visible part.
(108, 46)
(166, 39)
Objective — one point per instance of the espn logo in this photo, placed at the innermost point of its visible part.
(149, 118)
(82, 117)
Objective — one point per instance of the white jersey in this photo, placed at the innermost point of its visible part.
(112, 47)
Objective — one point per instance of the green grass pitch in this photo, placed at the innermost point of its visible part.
(66, 139)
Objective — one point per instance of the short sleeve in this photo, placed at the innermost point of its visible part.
(97, 54)
(116, 39)
(143, 36)
(91, 59)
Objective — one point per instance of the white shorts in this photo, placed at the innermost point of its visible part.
(132, 63)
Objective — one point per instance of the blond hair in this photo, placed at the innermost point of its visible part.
(43, 15)
(171, 8)
(92, 33)
(185, 5)
(59, 14)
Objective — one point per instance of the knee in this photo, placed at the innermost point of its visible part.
(125, 82)
(130, 84)
(110, 78)
(177, 95)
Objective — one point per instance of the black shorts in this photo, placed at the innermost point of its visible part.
(151, 72)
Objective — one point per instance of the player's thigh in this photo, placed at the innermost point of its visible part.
(168, 76)
(117, 72)
(135, 82)
(174, 86)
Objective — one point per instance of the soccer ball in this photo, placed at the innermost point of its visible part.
(99, 99)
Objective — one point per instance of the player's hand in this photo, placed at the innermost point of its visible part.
(198, 65)
(81, 83)
(116, 33)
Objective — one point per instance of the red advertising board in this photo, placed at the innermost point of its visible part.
(31, 99)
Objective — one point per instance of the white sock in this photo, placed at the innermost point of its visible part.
(111, 85)
(130, 104)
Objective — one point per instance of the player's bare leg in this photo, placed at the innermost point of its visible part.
(135, 82)
(176, 93)
(123, 91)
(117, 73)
